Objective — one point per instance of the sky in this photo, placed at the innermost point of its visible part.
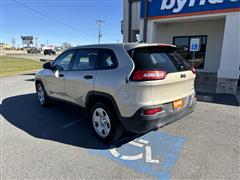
(58, 21)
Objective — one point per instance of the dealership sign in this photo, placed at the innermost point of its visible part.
(161, 8)
(27, 40)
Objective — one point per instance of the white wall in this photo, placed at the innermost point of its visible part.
(230, 59)
(214, 29)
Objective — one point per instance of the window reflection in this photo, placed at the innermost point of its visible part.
(183, 44)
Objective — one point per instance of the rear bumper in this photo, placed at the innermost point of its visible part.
(139, 123)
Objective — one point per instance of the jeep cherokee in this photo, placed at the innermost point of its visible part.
(124, 87)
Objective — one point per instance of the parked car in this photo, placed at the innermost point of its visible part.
(123, 87)
(33, 51)
(49, 52)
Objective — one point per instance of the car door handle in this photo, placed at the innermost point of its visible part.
(88, 77)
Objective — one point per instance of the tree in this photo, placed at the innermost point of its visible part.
(66, 45)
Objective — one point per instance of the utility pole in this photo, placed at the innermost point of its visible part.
(13, 42)
(99, 22)
(36, 42)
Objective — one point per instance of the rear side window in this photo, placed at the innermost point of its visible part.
(85, 60)
(107, 59)
(157, 59)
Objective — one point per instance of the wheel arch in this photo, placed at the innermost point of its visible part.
(37, 81)
(95, 96)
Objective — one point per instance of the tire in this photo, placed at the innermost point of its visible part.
(42, 95)
(105, 123)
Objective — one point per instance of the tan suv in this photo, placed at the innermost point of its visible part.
(131, 87)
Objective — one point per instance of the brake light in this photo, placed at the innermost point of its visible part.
(193, 70)
(148, 75)
(154, 111)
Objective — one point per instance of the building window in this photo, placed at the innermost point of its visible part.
(183, 44)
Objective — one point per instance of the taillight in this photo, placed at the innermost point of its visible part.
(193, 70)
(154, 111)
(148, 75)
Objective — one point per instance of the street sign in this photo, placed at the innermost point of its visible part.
(194, 44)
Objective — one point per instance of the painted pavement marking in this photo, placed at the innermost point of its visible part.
(155, 154)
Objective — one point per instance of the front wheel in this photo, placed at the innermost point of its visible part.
(41, 94)
(105, 123)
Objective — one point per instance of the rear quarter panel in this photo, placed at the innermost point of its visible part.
(110, 81)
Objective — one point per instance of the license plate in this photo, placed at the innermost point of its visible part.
(178, 104)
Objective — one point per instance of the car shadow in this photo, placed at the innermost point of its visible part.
(32, 79)
(59, 122)
(46, 60)
(224, 99)
(29, 74)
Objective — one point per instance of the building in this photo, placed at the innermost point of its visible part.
(214, 23)
(5, 46)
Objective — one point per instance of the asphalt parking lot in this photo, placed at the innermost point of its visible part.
(57, 143)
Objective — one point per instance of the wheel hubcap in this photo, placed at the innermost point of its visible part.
(41, 95)
(101, 122)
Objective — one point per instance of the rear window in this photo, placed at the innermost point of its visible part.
(158, 59)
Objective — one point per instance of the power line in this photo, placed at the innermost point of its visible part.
(52, 18)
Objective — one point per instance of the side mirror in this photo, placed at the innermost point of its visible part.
(57, 67)
(47, 65)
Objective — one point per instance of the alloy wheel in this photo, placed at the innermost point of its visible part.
(101, 122)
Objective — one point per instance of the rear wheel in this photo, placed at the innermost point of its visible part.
(105, 123)
(41, 94)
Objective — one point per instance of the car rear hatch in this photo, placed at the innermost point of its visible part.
(160, 67)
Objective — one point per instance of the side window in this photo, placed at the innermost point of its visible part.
(85, 60)
(107, 60)
(63, 61)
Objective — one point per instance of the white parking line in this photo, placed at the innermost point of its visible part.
(149, 155)
(143, 141)
(132, 158)
(70, 124)
(114, 152)
(136, 144)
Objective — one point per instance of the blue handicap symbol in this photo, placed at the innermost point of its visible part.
(154, 154)
(194, 47)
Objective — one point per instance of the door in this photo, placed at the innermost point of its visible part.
(80, 79)
(55, 79)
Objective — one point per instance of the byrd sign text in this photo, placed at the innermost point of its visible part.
(158, 8)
